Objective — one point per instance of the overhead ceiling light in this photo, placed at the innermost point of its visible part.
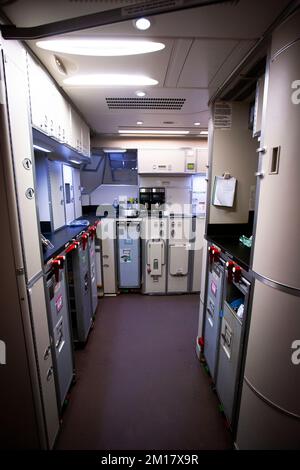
(140, 123)
(100, 47)
(42, 149)
(140, 93)
(142, 24)
(110, 80)
(75, 161)
(152, 131)
(197, 123)
(204, 133)
(114, 150)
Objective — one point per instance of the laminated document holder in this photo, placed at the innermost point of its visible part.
(224, 191)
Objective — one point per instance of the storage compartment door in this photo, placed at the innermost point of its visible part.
(155, 257)
(68, 193)
(179, 258)
(44, 358)
(278, 218)
(57, 194)
(77, 193)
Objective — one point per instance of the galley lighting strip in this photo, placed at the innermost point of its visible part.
(42, 149)
(152, 131)
(99, 47)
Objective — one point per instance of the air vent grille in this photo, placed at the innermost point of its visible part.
(167, 104)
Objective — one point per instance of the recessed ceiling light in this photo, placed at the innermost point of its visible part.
(100, 47)
(142, 24)
(197, 123)
(152, 131)
(140, 123)
(109, 80)
(140, 93)
(114, 150)
(204, 133)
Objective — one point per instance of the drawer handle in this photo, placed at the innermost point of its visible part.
(106, 266)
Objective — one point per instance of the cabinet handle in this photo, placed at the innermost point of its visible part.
(259, 174)
(49, 373)
(47, 353)
(105, 256)
(106, 266)
(62, 202)
(261, 150)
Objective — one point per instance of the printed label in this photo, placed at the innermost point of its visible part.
(213, 288)
(125, 256)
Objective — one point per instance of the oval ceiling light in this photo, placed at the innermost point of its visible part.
(100, 47)
(140, 123)
(197, 123)
(140, 94)
(109, 80)
(142, 24)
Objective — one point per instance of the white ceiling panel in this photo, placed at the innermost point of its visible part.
(178, 56)
(203, 61)
(152, 64)
(93, 105)
(203, 46)
(236, 55)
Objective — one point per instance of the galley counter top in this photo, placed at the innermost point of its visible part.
(61, 237)
(234, 248)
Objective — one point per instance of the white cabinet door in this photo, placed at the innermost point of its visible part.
(77, 193)
(38, 96)
(76, 138)
(161, 161)
(108, 234)
(85, 140)
(68, 193)
(202, 160)
(56, 194)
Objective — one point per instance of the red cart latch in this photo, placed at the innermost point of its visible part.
(214, 254)
(56, 265)
(237, 273)
(84, 240)
(234, 271)
(92, 231)
(72, 247)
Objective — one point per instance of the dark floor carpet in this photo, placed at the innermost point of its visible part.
(140, 384)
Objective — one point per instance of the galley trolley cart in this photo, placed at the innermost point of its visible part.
(232, 339)
(128, 236)
(213, 313)
(59, 327)
(93, 270)
(79, 282)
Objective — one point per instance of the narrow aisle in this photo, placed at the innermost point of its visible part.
(140, 385)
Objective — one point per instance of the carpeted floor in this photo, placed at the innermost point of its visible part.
(139, 382)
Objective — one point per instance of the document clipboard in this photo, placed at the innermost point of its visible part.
(224, 191)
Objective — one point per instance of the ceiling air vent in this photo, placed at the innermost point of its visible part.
(142, 7)
(174, 104)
